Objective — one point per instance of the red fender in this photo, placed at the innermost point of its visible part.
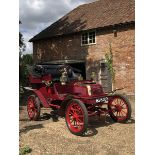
(42, 98)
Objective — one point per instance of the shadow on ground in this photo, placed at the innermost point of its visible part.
(43, 117)
(30, 127)
(102, 122)
(94, 123)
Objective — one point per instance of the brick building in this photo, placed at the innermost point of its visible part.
(83, 37)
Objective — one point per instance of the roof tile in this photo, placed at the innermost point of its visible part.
(97, 14)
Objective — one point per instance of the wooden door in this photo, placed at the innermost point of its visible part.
(105, 78)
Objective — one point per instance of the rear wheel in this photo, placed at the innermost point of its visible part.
(76, 117)
(33, 107)
(119, 108)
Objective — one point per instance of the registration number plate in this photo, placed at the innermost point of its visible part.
(103, 99)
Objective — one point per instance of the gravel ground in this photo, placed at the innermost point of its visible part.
(46, 137)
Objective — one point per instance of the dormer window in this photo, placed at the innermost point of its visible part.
(88, 38)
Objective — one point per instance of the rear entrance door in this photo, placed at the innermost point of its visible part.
(105, 78)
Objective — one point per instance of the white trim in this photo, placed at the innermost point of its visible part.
(28, 88)
(88, 38)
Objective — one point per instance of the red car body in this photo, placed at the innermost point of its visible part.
(75, 99)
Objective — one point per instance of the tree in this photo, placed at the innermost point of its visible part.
(26, 59)
(23, 60)
(109, 62)
(22, 45)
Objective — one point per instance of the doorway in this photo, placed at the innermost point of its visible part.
(105, 77)
(79, 68)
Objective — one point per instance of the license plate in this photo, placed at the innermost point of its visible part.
(103, 99)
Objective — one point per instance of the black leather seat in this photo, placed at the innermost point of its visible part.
(37, 71)
(32, 70)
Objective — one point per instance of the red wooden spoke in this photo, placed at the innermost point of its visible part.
(72, 120)
(122, 105)
(79, 120)
(117, 100)
(122, 102)
(114, 102)
(124, 109)
(72, 109)
(116, 113)
(80, 116)
(79, 124)
(72, 113)
(123, 113)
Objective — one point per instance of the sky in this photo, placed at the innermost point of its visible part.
(36, 15)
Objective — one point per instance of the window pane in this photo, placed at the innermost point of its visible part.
(85, 38)
(91, 37)
(85, 35)
(88, 38)
(84, 42)
(94, 40)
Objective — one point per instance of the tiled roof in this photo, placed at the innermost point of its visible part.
(99, 14)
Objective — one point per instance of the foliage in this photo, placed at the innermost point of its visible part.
(109, 62)
(24, 150)
(23, 73)
(25, 60)
(22, 45)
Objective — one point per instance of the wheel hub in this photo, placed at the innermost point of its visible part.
(75, 115)
(31, 105)
(118, 108)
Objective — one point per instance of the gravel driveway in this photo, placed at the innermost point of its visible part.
(104, 137)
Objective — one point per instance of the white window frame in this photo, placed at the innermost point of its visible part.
(88, 39)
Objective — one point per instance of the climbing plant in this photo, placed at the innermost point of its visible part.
(109, 62)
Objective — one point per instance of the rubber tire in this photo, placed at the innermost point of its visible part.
(83, 107)
(38, 106)
(128, 105)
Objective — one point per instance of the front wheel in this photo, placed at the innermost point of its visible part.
(76, 117)
(119, 108)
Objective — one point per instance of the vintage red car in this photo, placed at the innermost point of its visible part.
(60, 88)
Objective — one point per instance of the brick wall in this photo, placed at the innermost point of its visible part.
(69, 47)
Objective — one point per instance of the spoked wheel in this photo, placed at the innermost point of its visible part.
(33, 107)
(76, 117)
(119, 108)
